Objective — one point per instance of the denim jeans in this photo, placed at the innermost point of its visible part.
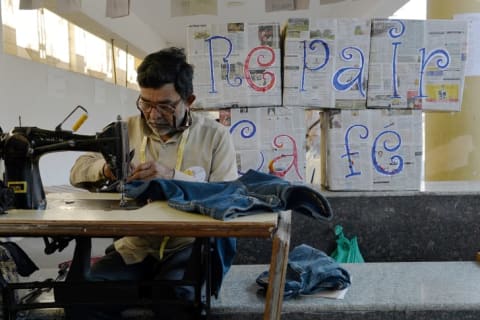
(253, 192)
(309, 271)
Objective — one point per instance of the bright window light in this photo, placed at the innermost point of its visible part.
(413, 9)
(56, 36)
(27, 31)
(45, 37)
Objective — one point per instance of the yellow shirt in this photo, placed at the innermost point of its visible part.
(208, 146)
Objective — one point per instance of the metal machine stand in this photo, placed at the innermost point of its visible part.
(76, 290)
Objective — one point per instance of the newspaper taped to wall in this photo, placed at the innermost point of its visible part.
(269, 139)
(326, 62)
(417, 64)
(373, 149)
(236, 64)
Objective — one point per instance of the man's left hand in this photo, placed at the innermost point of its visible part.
(151, 170)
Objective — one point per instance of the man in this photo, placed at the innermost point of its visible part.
(170, 142)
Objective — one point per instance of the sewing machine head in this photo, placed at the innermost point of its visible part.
(22, 147)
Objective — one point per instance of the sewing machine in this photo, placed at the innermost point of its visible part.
(22, 147)
(21, 150)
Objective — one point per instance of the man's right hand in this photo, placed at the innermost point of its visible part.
(107, 172)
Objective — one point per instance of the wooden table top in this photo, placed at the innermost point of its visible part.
(99, 215)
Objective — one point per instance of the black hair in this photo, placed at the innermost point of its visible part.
(168, 65)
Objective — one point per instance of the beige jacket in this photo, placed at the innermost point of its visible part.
(208, 146)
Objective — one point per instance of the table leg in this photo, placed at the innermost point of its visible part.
(80, 264)
(78, 272)
(278, 267)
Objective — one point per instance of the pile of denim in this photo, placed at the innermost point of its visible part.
(251, 193)
(309, 271)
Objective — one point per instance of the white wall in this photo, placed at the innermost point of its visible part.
(172, 29)
(43, 96)
(131, 28)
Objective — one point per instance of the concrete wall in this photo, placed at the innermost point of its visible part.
(389, 226)
(42, 96)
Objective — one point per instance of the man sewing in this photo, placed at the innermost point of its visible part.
(170, 142)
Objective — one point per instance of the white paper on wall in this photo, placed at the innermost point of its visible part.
(326, 62)
(279, 5)
(376, 149)
(117, 8)
(236, 64)
(417, 64)
(193, 7)
(269, 139)
(69, 6)
(473, 57)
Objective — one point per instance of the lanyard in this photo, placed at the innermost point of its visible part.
(181, 149)
(178, 165)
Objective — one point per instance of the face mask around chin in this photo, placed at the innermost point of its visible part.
(160, 125)
(161, 129)
(165, 127)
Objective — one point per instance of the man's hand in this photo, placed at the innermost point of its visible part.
(107, 172)
(151, 170)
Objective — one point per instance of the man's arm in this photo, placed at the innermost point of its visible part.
(87, 170)
(224, 162)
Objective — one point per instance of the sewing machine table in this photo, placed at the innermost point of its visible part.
(87, 215)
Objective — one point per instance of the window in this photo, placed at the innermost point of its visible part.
(413, 9)
(43, 36)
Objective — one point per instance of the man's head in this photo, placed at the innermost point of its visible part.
(166, 90)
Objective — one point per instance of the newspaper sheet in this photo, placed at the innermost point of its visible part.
(325, 62)
(417, 64)
(269, 139)
(374, 149)
(236, 64)
(281, 5)
(472, 67)
(193, 7)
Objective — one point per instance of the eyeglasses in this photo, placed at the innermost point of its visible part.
(146, 106)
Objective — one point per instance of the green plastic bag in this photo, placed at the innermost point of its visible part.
(347, 251)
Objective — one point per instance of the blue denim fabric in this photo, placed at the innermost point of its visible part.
(251, 193)
(309, 271)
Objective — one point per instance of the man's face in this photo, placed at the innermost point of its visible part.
(163, 108)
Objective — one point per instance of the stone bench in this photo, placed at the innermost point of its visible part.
(379, 291)
(389, 290)
(420, 248)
